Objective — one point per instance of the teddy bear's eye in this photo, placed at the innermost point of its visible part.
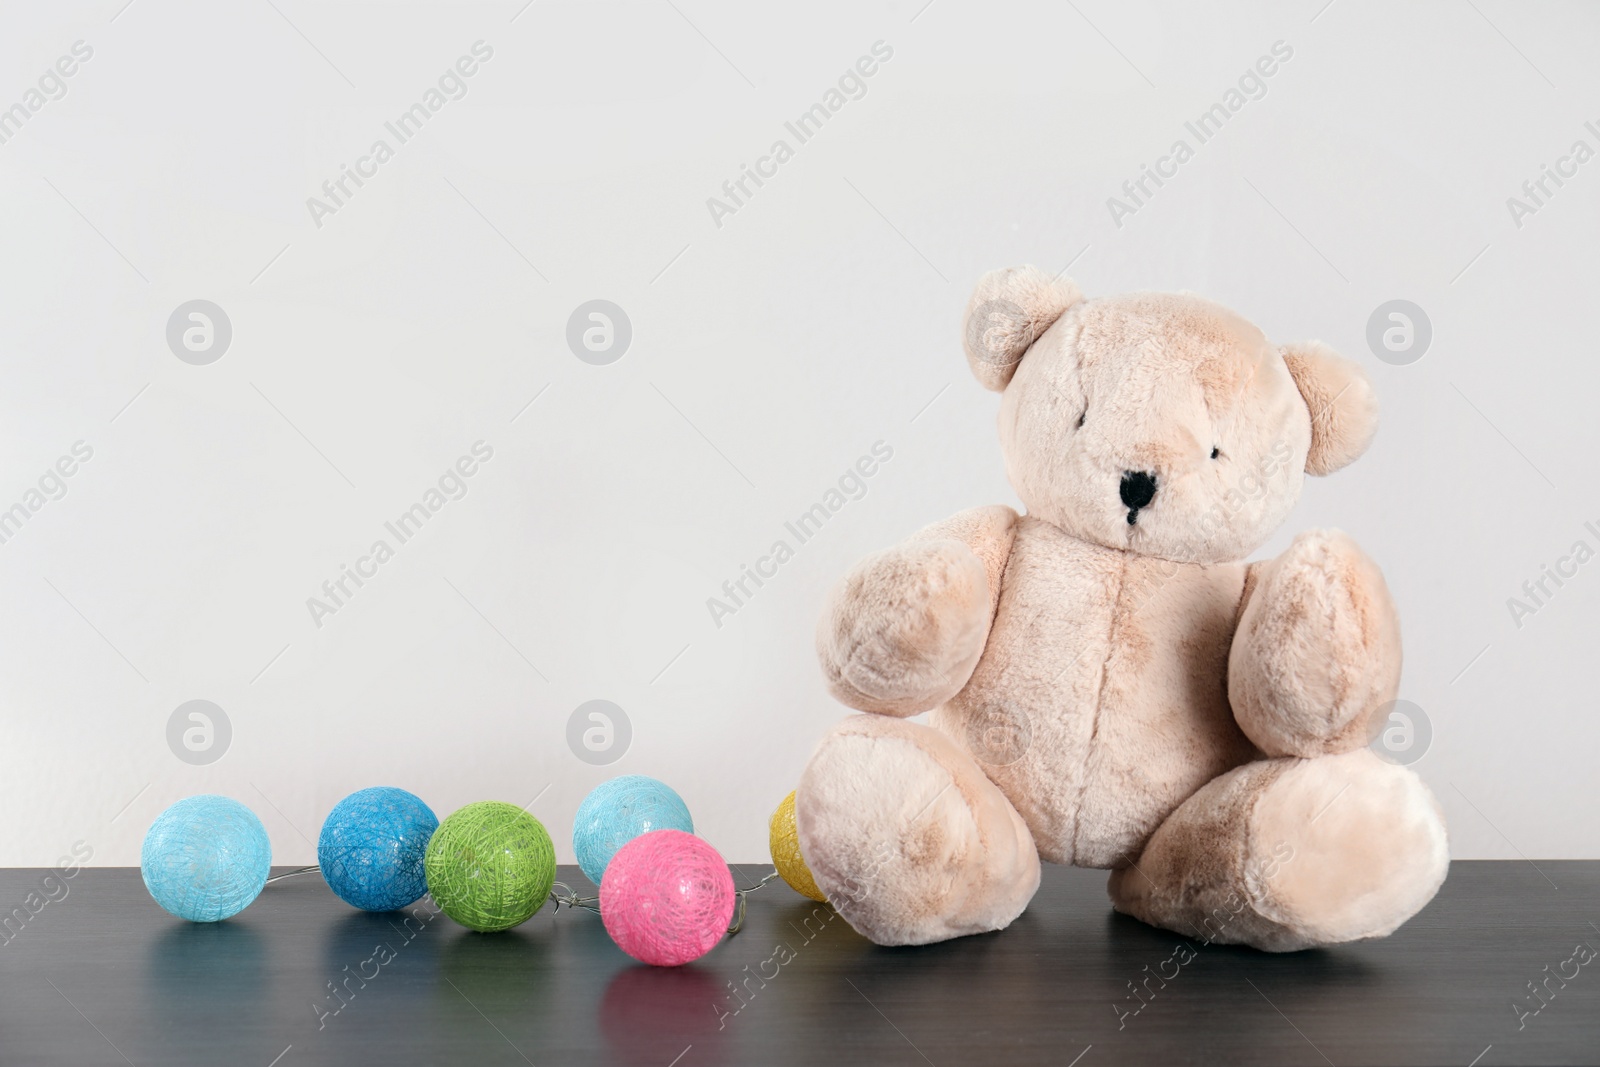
(1214, 452)
(1082, 417)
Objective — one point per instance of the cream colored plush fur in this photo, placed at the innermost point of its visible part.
(1110, 685)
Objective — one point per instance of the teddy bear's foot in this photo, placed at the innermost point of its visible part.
(907, 838)
(1291, 853)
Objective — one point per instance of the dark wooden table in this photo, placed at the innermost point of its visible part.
(103, 976)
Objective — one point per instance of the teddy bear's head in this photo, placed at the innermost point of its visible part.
(1159, 423)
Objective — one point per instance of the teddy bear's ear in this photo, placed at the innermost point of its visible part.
(1008, 311)
(1341, 402)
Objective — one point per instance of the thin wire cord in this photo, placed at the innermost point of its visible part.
(571, 899)
(740, 894)
(291, 874)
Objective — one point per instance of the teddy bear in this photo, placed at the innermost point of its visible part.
(1111, 684)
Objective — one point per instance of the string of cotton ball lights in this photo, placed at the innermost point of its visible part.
(490, 866)
(620, 810)
(666, 896)
(206, 858)
(783, 839)
(372, 847)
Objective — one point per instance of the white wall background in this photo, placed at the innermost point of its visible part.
(767, 355)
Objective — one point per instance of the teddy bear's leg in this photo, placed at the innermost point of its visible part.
(907, 838)
(1317, 653)
(1289, 853)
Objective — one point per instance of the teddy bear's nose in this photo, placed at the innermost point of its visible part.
(1138, 489)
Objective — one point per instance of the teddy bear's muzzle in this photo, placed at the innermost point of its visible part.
(1138, 489)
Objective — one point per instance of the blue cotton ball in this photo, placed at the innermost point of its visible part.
(620, 810)
(372, 845)
(205, 858)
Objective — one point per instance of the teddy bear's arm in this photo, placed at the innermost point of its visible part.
(1317, 651)
(903, 631)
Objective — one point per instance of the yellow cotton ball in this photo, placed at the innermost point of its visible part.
(786, 856)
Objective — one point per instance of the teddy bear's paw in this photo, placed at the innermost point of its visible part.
(1288, 854)
(1317, 653)
(907, 838)
(904, 630)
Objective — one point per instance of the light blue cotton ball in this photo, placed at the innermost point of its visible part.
(372, 846)
(205, 858)
(620, 810)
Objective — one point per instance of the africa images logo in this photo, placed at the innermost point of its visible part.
(52, 85)
(852, 85)
(1252, 85)
(338, 591)
(452, 85)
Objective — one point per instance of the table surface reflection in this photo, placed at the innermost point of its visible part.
(103, 976)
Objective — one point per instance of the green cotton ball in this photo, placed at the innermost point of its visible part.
(490, 866)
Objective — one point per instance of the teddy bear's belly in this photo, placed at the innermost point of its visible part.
(1101, 703)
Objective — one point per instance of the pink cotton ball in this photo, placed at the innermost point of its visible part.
(666, 898)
